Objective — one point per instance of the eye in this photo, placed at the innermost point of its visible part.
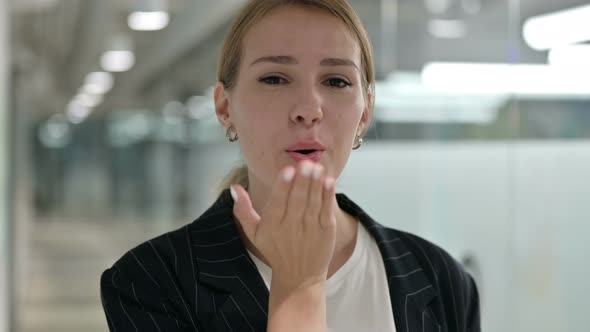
(338, 83)
(272, 80)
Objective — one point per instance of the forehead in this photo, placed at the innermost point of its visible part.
(306, 33)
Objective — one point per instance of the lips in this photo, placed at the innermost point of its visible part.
(314, 156)
(304, 146)
(311, 150)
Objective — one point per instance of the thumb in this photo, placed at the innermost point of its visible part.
(244, 212)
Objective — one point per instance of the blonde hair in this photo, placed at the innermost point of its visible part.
(254, 11)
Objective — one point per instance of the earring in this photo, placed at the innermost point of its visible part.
(229, 136)
(358, 141)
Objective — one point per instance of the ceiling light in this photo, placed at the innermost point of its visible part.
(148, 21)
(564, 27)
(88, 100)
(577, 56)
(498, 78)
(98, 82)
(117, 61)
(77, 112)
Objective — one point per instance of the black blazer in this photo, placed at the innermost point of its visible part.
(200, 278)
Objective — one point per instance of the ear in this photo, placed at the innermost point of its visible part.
(221, 99)
(365, 118)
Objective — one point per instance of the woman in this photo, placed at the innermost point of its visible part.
(295, 90)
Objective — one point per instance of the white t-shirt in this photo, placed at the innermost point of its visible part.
(357, 295)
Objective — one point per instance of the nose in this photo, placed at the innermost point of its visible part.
(308, 107)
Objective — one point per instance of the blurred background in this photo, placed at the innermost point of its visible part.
(480, 143)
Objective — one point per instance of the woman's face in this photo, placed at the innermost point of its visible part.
(299, 81)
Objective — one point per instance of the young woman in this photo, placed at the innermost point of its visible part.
(279, 250)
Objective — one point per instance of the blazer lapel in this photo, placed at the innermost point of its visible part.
(410, 290)
(238, 293)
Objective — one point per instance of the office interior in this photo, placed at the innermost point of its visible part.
(480, 143)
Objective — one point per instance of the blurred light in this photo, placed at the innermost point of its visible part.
(449, 29)
(117, 61)
(77, 112)
(148, 21)
(173, 112)
(437, 6)
(173, 127)
(55, 133)
(577, 55)
(559, 28)
(139, 126)
(128, 128)
(521, 79)
(200, 106)
(98, 82)
(88, 100)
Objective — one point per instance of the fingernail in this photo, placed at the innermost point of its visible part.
(317, 172)
(288, 174)
(234, 195)
(306, 168)
(329, 183)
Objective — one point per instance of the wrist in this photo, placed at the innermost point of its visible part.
(304, 303)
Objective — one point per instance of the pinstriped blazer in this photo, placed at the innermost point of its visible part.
(200, 278)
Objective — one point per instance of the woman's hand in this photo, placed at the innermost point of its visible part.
(296, 234)
(296, 230)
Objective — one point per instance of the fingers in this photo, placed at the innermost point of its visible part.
(327, 218)
(278, 200)
(314, 204)
(298, 197)
(302, 195)
(244, 212)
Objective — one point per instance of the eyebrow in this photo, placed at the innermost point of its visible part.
(289, 60)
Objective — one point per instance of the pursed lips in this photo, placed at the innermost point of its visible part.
(308, 154)
(309, 149)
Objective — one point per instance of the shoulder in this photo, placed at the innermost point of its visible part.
(146, 287)
(458, 294)
(171, 256)
(153, 263)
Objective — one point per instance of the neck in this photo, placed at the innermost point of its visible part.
(345, 234)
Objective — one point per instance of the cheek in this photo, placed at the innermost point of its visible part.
(346, 113)
(257, 120)
(255, 103)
